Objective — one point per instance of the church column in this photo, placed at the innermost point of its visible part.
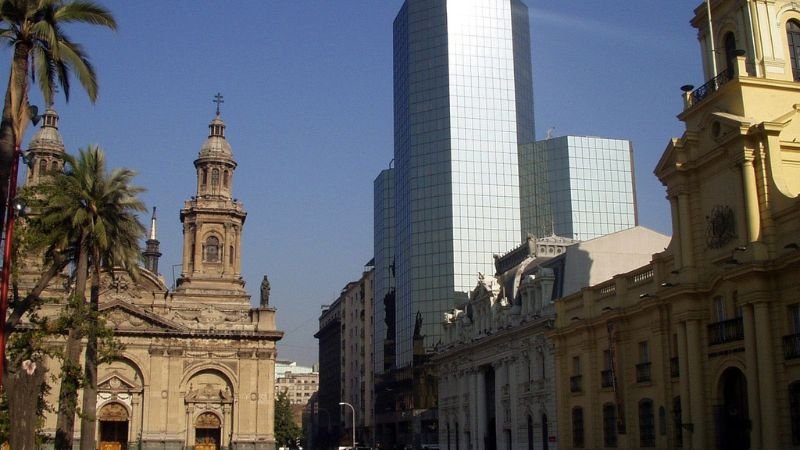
(752, 213)
(188, 232)
(227, 240)
(751, 366)
(135, 423)
(766, 375)
(237, 260)
(226, 425)
(198, 247)
(189, 426)
(462, 413)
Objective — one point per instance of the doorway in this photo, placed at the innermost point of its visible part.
(113, 421)
(731, 416)
(207, 432)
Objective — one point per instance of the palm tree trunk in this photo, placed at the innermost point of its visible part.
(17, 82)
(23, 390)
(89, 411)
(70, 370)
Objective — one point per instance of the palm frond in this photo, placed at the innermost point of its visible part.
(85, 12)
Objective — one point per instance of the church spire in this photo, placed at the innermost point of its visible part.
(213, 219)
(46, 149)
(152, 253)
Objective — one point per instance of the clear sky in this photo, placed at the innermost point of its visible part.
(308, 107)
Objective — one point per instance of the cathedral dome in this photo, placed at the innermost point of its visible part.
(216, 145)
(48, 137)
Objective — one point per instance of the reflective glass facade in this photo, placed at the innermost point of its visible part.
(383, 239)
(462, 90)
(577, 187)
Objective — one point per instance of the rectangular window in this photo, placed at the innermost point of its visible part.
(644, 352)
(794, 318)
(719, 308)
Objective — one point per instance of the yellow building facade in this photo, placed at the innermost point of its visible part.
(701, 348)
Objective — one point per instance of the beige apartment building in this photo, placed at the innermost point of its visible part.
(198, 365)
(701, 347)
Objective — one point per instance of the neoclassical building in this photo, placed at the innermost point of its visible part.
(701, 348)
(497, 377)
(198, 365)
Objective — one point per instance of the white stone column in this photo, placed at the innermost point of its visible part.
(499, 381)
(480, 389)
(473, 401)
(513, 391)
(135, 423)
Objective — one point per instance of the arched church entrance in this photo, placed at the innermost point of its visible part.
(733, 422)
(207, 432)
(113, 420)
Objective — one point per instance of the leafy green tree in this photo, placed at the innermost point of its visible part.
(94, 213)
(286, 431)
(43, 51)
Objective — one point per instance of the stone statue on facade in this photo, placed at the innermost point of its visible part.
(265, 292)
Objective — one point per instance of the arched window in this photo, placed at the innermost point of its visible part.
(610, 425)
(230, 255)
(793, 38)
(577, 427)
(794, 411)
(730, 53)
(54, 167)
(212, 249)
(214, 178)
(42, 168)
(647, 426)
(204, 177)
(225, 176)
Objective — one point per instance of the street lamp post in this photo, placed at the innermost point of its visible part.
(354, 421)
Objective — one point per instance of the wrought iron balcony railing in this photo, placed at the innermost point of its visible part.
(791, 346)
(713, 85)
(726, 331)
(643, 372)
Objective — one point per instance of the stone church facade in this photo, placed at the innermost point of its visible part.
(198, 365)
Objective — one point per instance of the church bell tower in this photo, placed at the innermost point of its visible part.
(212, 221)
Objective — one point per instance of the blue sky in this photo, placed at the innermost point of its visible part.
(308, 105)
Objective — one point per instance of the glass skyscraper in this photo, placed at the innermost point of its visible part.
(383, 229)
(463, 102)
(577, 187)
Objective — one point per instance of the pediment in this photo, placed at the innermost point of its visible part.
(116, 382)
(124, 316)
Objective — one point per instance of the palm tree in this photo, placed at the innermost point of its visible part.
(93, 212)
(43, 51)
